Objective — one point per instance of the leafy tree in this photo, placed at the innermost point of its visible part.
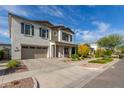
(83, 50)
(110, 42)
(120, 48)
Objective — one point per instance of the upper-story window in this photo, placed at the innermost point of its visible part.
(44, 33)
(65, 36)
(27, 29)
(70, 38)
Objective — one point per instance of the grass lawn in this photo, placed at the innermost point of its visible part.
(101, 61)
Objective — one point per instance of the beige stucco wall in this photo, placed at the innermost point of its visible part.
(17, 38)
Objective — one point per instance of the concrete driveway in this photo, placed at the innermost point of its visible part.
(46, 65)
(56, 73)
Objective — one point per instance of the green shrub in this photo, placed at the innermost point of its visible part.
(99, 53)
(75, 57)
(1, 54)
(13, 64)
(108, 52)
(79, 58)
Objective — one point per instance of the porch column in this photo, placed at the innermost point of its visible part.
(55, 50)
(63, 51)
(70, 51)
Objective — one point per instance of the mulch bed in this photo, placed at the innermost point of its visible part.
(21, 68)
(22, 83)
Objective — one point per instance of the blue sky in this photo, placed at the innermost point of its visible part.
(88, 22)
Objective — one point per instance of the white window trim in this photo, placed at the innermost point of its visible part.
(30, 29)
(45, 33)
(69, 35)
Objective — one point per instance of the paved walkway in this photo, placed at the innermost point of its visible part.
(55, 74)
(111, 78)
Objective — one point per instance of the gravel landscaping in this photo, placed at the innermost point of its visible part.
(22, 83)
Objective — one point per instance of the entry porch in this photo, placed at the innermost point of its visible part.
(63, 50)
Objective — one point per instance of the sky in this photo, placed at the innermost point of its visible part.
(88, 22)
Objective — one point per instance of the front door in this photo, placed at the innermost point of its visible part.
(66, 52)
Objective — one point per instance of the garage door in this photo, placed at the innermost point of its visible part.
(32, 52)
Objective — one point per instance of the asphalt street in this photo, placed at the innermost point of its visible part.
(111, 78)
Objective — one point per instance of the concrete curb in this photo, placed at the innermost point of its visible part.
(35, 82)
(112, 63)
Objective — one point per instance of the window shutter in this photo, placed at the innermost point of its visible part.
(71, 38)
(32, 30)
(22, 28)
(47, 34)
(40, 32)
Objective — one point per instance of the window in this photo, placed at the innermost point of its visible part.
(32, 30)
(32, 47)
(70, 38)
(65, 36)
(27, 29)
(44, 33)
(24, 46)
(22, 28)
(38, 47)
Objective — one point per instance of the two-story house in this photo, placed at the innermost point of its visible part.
(39, 39)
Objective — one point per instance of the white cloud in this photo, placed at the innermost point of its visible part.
(51, 10)
(4, 33)
(88, 36)
(91, 36)
(85, 36)
(15, 9)
(103, 27)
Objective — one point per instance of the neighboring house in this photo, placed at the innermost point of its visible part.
(7, 50)
(39, 39)
(93, 46)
